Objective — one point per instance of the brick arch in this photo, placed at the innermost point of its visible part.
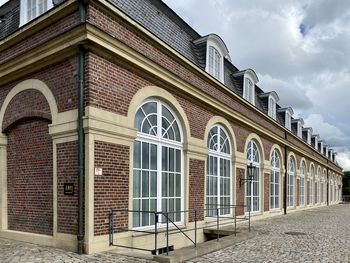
(27, 104)
(25, 115)
(31, 84)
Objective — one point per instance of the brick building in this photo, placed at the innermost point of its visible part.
(128, 104)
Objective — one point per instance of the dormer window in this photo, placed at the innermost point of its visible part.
(298, 124)
(31, 9)
(215, 63)
(249, 90)
(272, 108)
(288, 120)
(299, 131)
(216, 52)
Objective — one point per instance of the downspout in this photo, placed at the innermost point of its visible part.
(81, 141)
(285, 175)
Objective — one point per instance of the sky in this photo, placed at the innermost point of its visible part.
(300, 49)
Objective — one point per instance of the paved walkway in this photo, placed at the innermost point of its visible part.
(323, 235)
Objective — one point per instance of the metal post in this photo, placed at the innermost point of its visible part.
(235, 222)
(167, 233)
(217, 224)
(249, 218)
(195, 227)
(155, 232)
(110, 229)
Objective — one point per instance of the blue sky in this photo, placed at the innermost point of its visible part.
(300, 49)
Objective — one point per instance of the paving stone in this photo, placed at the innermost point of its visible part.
(326, 239)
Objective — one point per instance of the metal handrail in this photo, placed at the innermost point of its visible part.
(175, 224)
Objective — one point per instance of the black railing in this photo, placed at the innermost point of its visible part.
(346, 198)
(162, 220)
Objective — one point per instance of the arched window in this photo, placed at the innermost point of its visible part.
(290, 183)
(218, 185)
(312, 186)
(319, 185)
(158, 158)
(275, 181)
(302, 184)
(324, 186)
(253, 188)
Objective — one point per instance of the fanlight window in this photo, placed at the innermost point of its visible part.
(148, 122)
(157, 168)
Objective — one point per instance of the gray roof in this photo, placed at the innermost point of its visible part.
(9, 18)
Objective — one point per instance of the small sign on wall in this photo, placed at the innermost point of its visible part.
(98, 171)
(68, 189)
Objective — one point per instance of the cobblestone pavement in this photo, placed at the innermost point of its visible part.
(20, 252)
(325, 238)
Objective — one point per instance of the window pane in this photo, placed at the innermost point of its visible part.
(145, 184)
(145, 155)
(137, 154)
(137, 183)
(153, 157)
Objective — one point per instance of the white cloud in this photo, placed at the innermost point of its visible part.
(332, 134)
(344, 161)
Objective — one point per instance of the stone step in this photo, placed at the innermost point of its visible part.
(186, 253)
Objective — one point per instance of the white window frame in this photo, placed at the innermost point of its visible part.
(272, 107)
(312, 187)
(249, 91)
(24, 10)
(219, 155)
(302, 184)
(250, 147)
(290, 183)
(299, 130)
(275, 173)
(309, 136)
(160, 142)
(324, 186)
(288, 120)
(319, 186)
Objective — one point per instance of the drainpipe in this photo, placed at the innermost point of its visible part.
(285, 175)
(81, 156)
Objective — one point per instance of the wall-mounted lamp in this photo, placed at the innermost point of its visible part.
(250, 175)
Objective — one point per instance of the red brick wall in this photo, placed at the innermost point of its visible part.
(30, 177)
(196, 188)
(266, 192)
(61, 80)
(67, 171)
(112, 188)
(53, 30)
(240, 191)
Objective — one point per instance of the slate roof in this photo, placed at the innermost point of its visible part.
(9, 18)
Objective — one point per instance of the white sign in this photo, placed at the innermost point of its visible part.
(98, 171)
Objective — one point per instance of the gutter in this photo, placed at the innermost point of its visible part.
(81, 141)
